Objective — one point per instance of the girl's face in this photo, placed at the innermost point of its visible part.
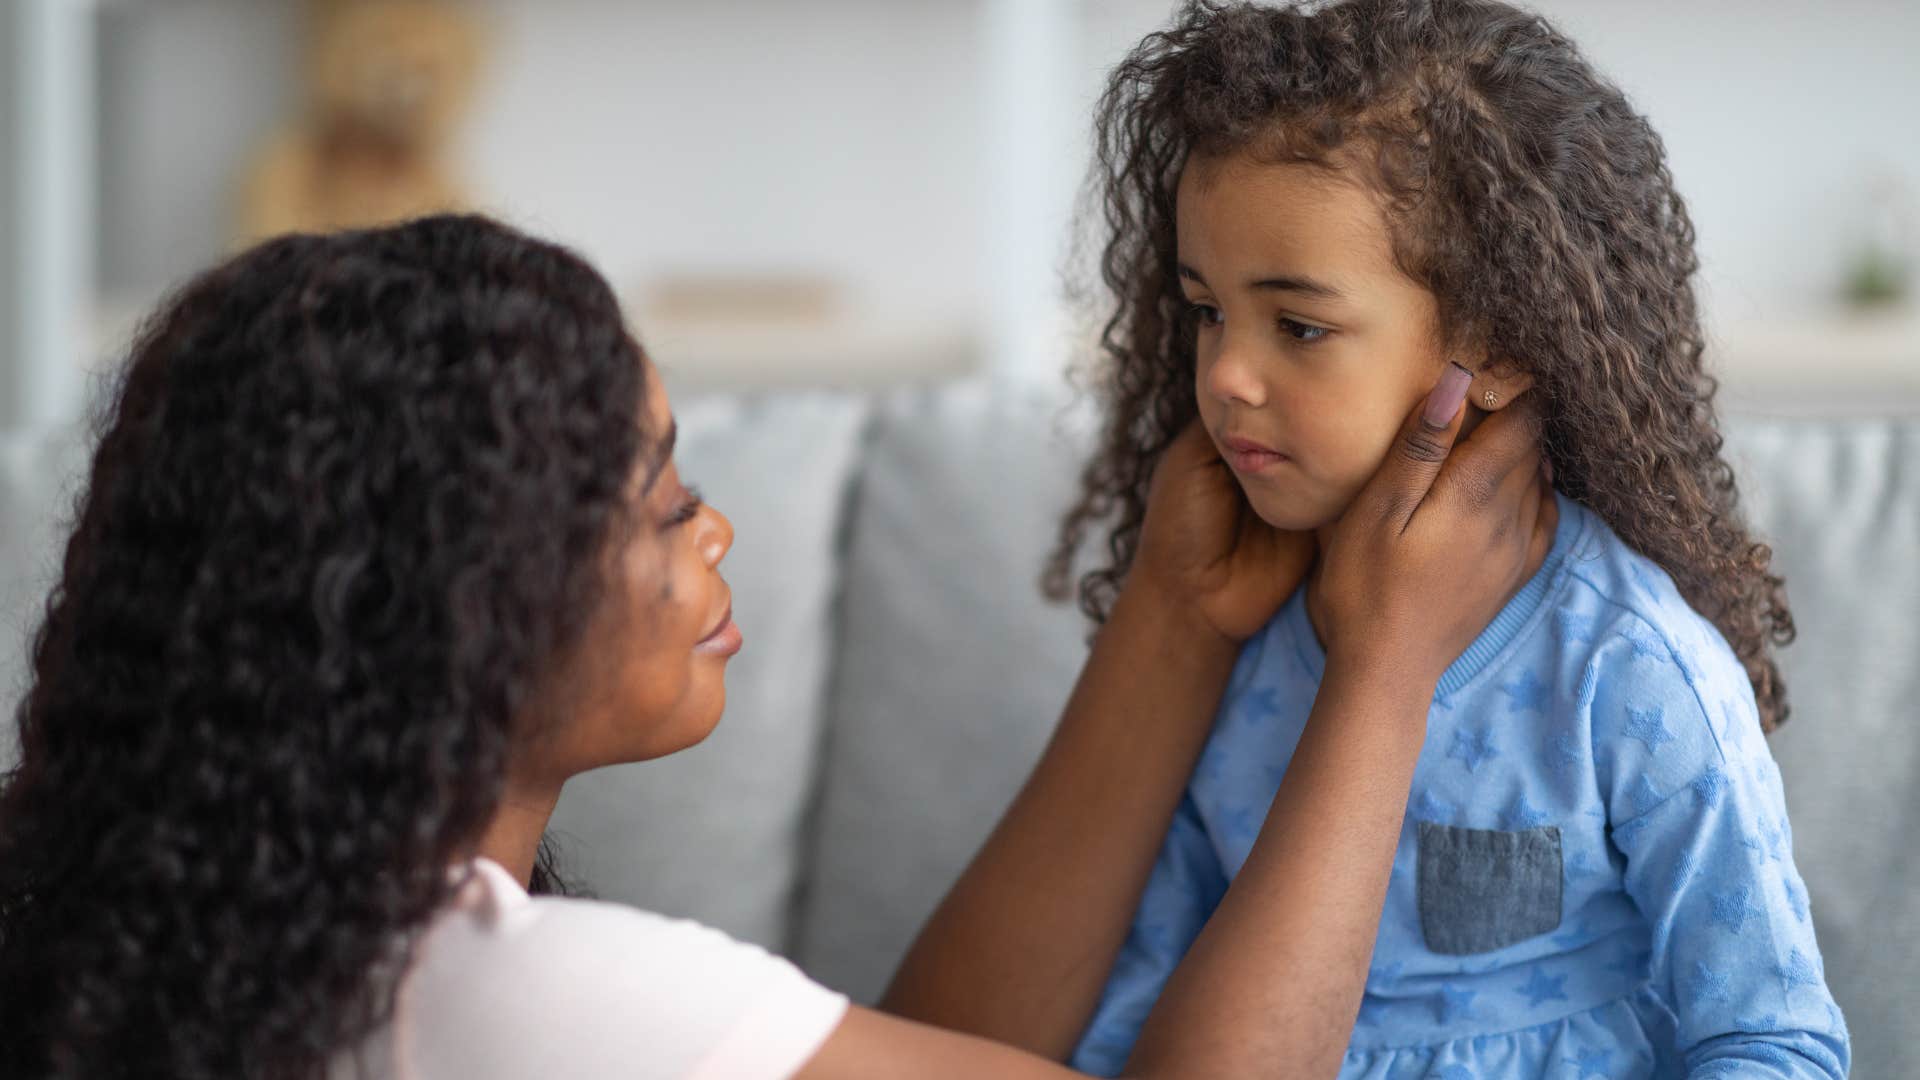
(1312, 346)
(650, 677)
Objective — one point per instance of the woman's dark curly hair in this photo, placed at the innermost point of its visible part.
(1523, 192)
(350, 507)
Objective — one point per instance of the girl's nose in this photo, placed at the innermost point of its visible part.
(1232, 379)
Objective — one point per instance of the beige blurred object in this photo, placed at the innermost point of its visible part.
(387, 83)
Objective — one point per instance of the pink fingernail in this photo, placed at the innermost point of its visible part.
(1447, 396)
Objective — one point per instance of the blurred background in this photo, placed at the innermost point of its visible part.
(853, 192)
(844, 228)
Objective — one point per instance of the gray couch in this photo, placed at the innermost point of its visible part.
(902, 673)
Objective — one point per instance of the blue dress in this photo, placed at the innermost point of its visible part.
(1595, 877)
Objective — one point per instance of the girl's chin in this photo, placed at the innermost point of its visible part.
(1292, 514)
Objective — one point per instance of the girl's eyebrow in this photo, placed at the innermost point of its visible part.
(1305, 286)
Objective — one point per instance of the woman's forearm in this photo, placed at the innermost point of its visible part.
(1021, 947)
(1272, 985)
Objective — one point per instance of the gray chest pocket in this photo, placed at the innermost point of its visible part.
(1484, 889)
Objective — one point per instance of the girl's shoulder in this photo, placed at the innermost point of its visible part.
(1656, 680)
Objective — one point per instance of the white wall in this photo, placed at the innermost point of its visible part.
(848, 136)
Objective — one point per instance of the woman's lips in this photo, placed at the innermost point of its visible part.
(1247, 456)
(724, 640)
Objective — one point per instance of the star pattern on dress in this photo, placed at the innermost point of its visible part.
(1630, 961)
(1769, 1054)
(1769, 842)
(1527, 693)
(1709, 786)
(1453, 1003)
(1543, 987)
(1567, 753)
(1797, 899)
(1589, 688)
(1689, 668)
(1575, 628)
(1733, 724)
(1644, 795)
(1156, 938)
(1429, 808)
(1649, 726)
(1581, 864)
(1799, 971)
(1373, 1009)
(1711, 985)
(1593, 1062)
(1628, 832)
(1523, 815)
(1733, 907)
(1259, 705)
(1758, 1025)
(1241, 825)
(1573, 937)
(1685, 868)
(1385, 973)
(1647, 645)
(1473, 748)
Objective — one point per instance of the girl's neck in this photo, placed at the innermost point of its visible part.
(1541, 544)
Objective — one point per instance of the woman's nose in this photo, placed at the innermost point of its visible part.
(716, 536)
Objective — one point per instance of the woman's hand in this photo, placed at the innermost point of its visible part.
(1203, 547)
(1438, 541)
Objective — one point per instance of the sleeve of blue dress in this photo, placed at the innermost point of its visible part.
(1186, 886)
(1696, 806)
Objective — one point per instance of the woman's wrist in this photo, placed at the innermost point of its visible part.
(1396, 678)
(1152, 599)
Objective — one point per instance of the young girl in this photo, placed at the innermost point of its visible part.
(1313, 211)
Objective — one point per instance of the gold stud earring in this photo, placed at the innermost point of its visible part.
(1491, 399)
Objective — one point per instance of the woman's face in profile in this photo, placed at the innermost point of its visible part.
(656, 657)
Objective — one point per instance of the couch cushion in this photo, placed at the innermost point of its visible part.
(714, 833)
(1840, 502)
(951, 669)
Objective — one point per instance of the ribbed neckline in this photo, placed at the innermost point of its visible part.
(1500, 633)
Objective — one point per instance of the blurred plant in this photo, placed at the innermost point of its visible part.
(1879, 273)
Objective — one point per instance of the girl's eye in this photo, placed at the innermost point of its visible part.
(689, 508)
(1206, 313)
(1302, 332)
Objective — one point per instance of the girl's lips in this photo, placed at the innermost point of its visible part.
(1247, 456)
(725, 640)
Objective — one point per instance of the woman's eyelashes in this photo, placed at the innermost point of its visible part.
(687, 509)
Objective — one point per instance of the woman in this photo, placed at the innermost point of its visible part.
(384, 540)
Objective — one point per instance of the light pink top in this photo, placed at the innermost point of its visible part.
(505, 985)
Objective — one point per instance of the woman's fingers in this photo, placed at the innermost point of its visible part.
(1404, 479)
(1500, 460)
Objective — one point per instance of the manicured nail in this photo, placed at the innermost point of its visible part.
(1447, 396)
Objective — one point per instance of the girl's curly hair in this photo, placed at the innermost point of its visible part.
(348, 510)
(1522, 191)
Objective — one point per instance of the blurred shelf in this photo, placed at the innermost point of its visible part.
(763, 356)
(1827, 362)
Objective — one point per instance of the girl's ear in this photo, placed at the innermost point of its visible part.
(1496, 383)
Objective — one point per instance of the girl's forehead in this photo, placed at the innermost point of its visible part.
(1237, 210)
